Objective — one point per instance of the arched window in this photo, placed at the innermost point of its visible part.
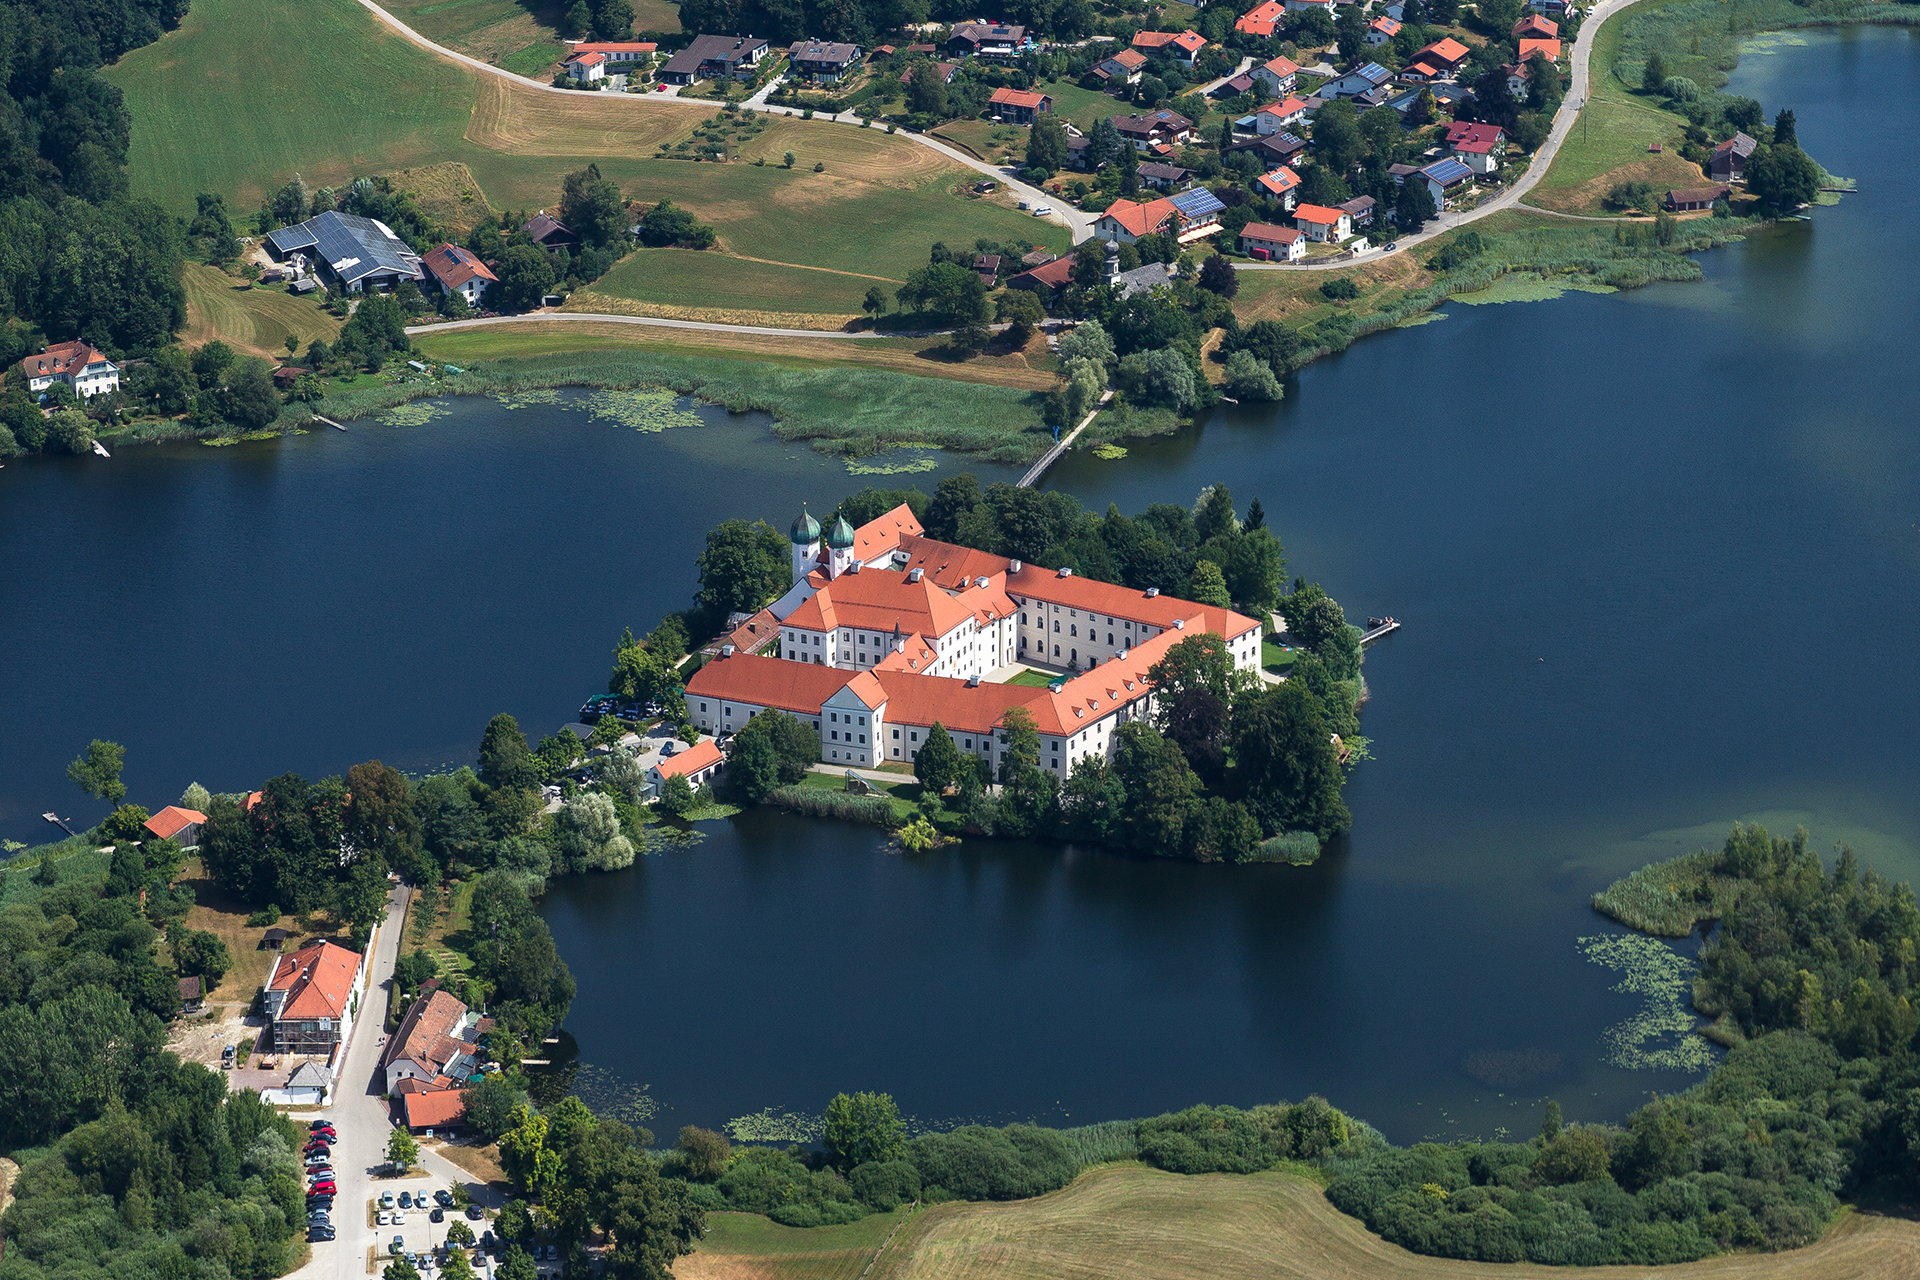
(1073, 630)
(1056, 626)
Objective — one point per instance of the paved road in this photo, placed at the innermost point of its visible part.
(1563, 122)
(656, 321)
(361, 1119)
(1080, 223)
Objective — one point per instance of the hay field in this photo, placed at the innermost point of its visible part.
(490, 30)
(1143, 1223)
(255, 321)
(446, 191)
(746, 1246)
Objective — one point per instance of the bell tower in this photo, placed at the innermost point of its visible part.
(805, 536)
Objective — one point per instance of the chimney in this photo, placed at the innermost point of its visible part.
(1064, 573)
(1152, 592)
(1013, 566)
(913, 575)
(726, 651)
(973, 682)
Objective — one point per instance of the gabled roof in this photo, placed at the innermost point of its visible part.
(1285, 110)
(172, 820)
(427, 1034)
(1447, 172)
(1372, 73)
(1267, 231)
(1018, 98)
(191, 989)
(1113, 600)
(799, 687)
(1189, 41)
(1551, 48)
(318, 980)
(1474, 137)
(65, 359)
(1197, 203)
(1261, 20)
(1165, 172)
(586, 58)
(1385, 26)
(453, 266)
(1533, 25)
(310, 1075)
(946, 565)
(1446, 50)
(440, 1107)
(1281, 66)
(1739, 144)
(987, 33)
(1317, 214)
(1699, 195)
(701, 755)
(1421, 69)
(884, 600)
(544, 227)
(1054, 274)
(822, 51)
(629, 46)
(1141, 219)
(353, 246)
(1280, 181)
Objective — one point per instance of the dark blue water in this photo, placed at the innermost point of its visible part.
(1656, 552)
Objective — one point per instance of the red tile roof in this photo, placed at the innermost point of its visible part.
(1191, 42)
(883, 600)
(1114, 601)
(587, 59)
(1262, 20)
(1533, 25)
(453, 266)
(1318, 214)
(1131, 59)
(1474, 137)
(170, 821)
(1018, 98)
(66, 358)
(1551, 48)
(434, 1110)
(701, 755)
(1053, 274)
(426, 1033)
(1447, 51)
(1142, 219)
(1268, 232)
(1281, 66)
(799, 687)
(1386, 27)
(641, 46)
(1280, 181)
(954, 567)
(884, 532)
(318, 979)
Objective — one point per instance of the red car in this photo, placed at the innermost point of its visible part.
(321, 1189)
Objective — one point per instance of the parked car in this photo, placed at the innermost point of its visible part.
(386, 1199)
(438, 1215)
(475, 1213)
(399, 1218)
(319, 1235)
(317, 1124)
(1043, 211)
(382, 1218)
(322, 1189)
(443, 1198)
(399, 1246)
(406, 1200)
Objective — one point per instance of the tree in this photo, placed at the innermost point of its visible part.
(1785, 129)
(926, 92)
(612, 20)
(875, 303)
(1021, 309)
(381, 819)
(577, 19)
(1350, 31)
(459, 1233)
(98, 771)
(668, 224)
(1046, 145)
(1550, 1123)
(1161, 376)
(1574, 1156)
(490, 1104)
(786, 161)
(526, 274)
(1413, 207)
(1208, 585)
(1193, 684)
(69, 431)
(1784, 177)
(743, 567)
(1653, 79)
(1217, 274)
(949, 292)
(252, 402)
(957, 495)
(1250, 379)
(863, 1127)
(402, 1150)
(1159, 785)
(703, 1153)
(1093, 801)
(505, 760)
(1088, 341)
(753, 768)
(938, 764)
(1337, 143)
(1284, 762)
(676, 795)
(197, 953)
(796, 746)
(587, 835)
(591, 205)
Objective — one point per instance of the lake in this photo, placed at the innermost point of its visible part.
(1655, 552)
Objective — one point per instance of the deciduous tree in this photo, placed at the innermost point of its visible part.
(863, 1127)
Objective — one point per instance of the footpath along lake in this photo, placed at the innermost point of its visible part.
(1656, 553)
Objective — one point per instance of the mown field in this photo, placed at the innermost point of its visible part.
(1608, 145)
(256, 321)
(1148, 1225)
(741, 1245)
(490, 30)
(872, 212)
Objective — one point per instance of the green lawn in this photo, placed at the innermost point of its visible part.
(760, 1247)
(1275, 657)
(1031, 679)
(1082, 106)
(491, 30)
(715, 281)
(214, 110)
(904, 795)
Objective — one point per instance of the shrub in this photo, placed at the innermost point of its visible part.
(1227, 1140)
(1301, 848)
(264, 918)
(1341, 290)
(976, 1163)
(885, 1185)
(816, 803)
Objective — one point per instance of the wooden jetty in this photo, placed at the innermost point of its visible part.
(59, 822)
(329, 421)
(1377, 627)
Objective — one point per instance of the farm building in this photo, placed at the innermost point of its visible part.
(714, 58)
(355, 253)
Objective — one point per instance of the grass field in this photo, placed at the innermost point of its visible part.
(1608, 144)
(739, 1245)
(490, 30)
(1141, 1223)
(921, 357)
(874, 210)
(253, 320)
(1295, 298)
(1032, 679)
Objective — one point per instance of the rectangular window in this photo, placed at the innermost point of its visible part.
(913, 736)
(863, 719)
(896, 753)
(703, 706)
(833, 716)
(834, 734)
(896, 738)
(863, 737)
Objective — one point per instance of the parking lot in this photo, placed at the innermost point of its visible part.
(413, 1223)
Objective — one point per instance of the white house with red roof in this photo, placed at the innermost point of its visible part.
(1125, 221)
(312, 995)
(1280, 74)
(459, 271)
(699, 764)
(437, 1045)
(619, 55)
(878, 651)
(1381, 30)
(1283, 184)
(1019, 106)
(1277, 244)
(79, 367)
(586, 67)
(1183, 48)
(1477, 145)
(1278, 117)
(1323, 224)
(1262, 20)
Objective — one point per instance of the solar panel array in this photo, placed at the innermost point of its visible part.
(354, 247)
(1197, 203)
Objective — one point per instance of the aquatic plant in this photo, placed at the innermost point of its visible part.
(642, 410)
(1667, 898)
(1110, 452)
(770, 1126)
(531, 399)
(415, 414)
(1663, 1036)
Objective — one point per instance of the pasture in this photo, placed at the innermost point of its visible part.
(252, 320)
(468, 142)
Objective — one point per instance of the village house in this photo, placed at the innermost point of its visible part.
(1447, 54)
(586, 67)
(1019, 106)
(458, 272)
(1548, 49)
(1328, 7)
(1447, 180)
(176, 823)
(1477, 145)
(1164, 177)
(1562, 9)
(714, 58)
(355, 253)
(1690, 198)
(1359, 81)
(821, 60)
(1359, 211)
(1125, 221)
(1262, 20)
(1281, 184)
(1265, 241)
(1280, 75)
(437, 1045)
(193, 995)
(1102, 638)
(1183, 48)
(1200, 212)
(1401, 172)
(699, 764)
(1161, 128)
(1281, 148)
(1233, 87)
(987, 267)
(311, 997)
(1535, 27)
(548, 231)
(1279, 117)
(1329, 226)
(1382, 30)
(437, 1111)
(943, 70)
(1729, 160)
(621, 56)
(1517, 76)
(1046, 279)
(995, 41)
(1123, 68)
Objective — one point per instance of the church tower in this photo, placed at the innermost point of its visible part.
(839, 548)
(805, 536)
